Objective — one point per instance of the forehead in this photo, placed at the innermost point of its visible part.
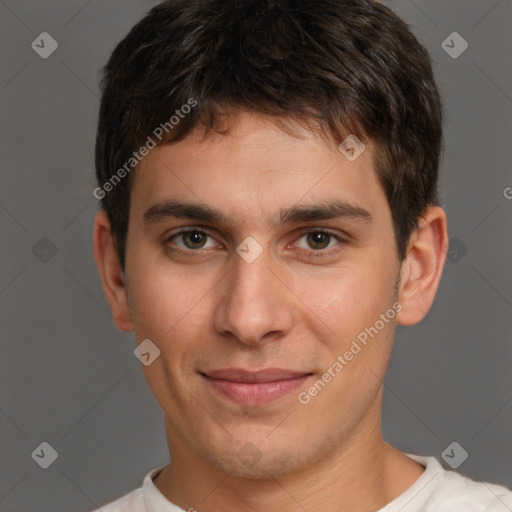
(256, 167)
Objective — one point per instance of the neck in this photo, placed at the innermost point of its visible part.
(361, 473)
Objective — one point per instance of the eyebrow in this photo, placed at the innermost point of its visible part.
(302, 213)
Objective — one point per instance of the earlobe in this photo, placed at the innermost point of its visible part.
(423, 266)
(111, 273)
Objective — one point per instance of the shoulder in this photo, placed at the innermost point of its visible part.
(455, 491)
(459, 490)
(135, 501)
(141, 499)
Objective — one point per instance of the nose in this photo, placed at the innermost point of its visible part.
(255, 306)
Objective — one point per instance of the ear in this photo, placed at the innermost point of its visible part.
(421, 270)
(111, 273)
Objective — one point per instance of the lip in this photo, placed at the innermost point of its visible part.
(259, 387)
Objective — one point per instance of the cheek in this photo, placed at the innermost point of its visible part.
(163, 297)
(349, 301)
(354, 294)
(169, 309)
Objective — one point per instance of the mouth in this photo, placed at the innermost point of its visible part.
(254, 388)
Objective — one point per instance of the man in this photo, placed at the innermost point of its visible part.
(268, 176)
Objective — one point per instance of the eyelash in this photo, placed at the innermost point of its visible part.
(311, 254)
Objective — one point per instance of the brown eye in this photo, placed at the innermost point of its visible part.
(319, 244)
(318, 240)
(192, 239)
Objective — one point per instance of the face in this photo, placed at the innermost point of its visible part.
(254, 262)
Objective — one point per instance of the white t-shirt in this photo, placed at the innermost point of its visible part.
(436, 490)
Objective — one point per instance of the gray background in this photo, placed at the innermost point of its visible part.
(70, 379)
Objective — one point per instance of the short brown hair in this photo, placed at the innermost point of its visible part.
(343, 66)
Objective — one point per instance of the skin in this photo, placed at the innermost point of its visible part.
(207, 308)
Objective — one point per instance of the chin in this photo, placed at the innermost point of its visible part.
(251, 462)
